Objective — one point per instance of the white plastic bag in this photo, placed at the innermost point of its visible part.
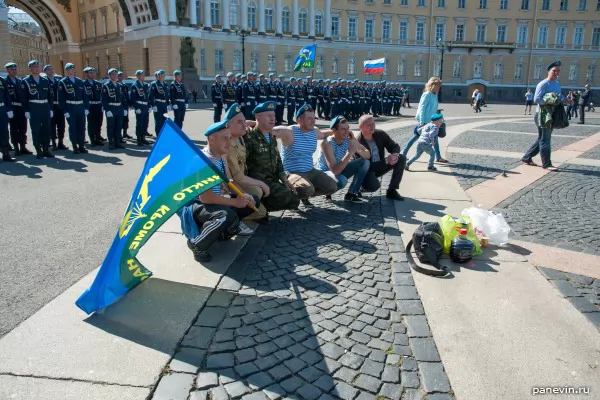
(493, 225)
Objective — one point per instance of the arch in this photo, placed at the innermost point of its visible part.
(144, 10)
(49, 17)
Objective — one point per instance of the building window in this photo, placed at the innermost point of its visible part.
(564, 5)
(215, 11)
(561, 36)
(269, 18)
(83, 28)
(598, 6)
(524, 4)
(522, 34)
(319, 23)
(335, 25)
(94, 33)
(386, 25)
(285, 19)
(518, 71)
(537, 72)
(578, 36)
(351, 66)
(477, 68)
(441, 3)
(573, 72)
(119, 61)
(254, 57)
(543, 35)
(319, 65)
(237, 60)
(404, 3)
(388, 2)
(352, 27)
(462, 4)
(459, 34)
(251, 15)
(401, 68)
(403, 31)
(420, 32)
(105, 24)
(440, 32)
(582, 5)
(480, 33)
(421, 3)
(369, 28)
(335, 66)
(219, 62)
(437, 67)
(418, 67)
(483, 4)
(501, 34)
(302, 18)
(203, 61)
(457, 69)
(546, 5)
(98, 64)
(288, 63)
(591, 71)
(596, 37)
(385, 69)
(233, 12)
(504, 4)
(271, 64)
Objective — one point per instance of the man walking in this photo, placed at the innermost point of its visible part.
(179, 98)
(74, 106)
(115, 107)
(139, 94)
(93, 89)
(37, 99)
(18, 123)
(584, 100)
(57, 125)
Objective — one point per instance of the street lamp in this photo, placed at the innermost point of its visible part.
(441, 46)
(243, 33)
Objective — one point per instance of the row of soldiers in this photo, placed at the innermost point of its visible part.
(46, 103)
(329, 97)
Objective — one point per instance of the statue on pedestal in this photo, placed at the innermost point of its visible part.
(186, 52)
(181, 10)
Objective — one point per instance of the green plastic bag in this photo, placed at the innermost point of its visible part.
(451, 227)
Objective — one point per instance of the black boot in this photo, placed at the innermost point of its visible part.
(111, 145)
(75, 149)
(38, 152)
(25, 150)
(6, 155)
(54, 145)
(82, 149)
(46, 152)
(61, 145)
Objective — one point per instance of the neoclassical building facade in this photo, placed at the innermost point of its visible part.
(501, 46)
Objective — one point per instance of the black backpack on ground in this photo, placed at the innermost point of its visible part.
(428, 242)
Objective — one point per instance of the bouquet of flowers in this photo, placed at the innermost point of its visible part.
(550, 101)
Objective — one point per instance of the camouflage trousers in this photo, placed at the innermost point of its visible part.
(280, 198)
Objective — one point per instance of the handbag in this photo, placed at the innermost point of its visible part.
(442, 130)
(560, 119)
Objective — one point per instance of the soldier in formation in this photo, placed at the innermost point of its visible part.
(74, 106)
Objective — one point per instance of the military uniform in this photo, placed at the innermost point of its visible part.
(57, 124)
(93, 89)
(139, 95)
(229, 94)
(159, 101)
(115, 106)
(179, 100)
(18, 123)
(125, 92)
(264, 163)
(290, 95)
(37, 100)
(280, 98)
(74, 103)
(216, 97)
(262, 91)
(249, 92)
(334, 101)
(5, 111)
(327, 100)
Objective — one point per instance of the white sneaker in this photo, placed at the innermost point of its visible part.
(244, 230)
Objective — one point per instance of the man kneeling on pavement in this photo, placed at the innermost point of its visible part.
(217, 213)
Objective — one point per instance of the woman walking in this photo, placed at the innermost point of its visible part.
(570, 103)
(428, 105)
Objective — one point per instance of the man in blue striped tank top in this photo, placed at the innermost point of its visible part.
(299, 143)
(336, 158)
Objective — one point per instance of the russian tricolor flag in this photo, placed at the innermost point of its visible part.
(375, 66)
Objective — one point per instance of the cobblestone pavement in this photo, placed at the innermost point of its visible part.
(582, 291)
(472, 169)
(572, 130)
(560, 209)
(320, 304)
(593, 153)
(475, 139)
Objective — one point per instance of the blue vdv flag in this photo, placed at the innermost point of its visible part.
(306, 57)
(175, 172)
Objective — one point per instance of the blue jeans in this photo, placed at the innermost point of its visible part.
(412, 141)
(423, 148)
(357, 168)
(541, 145)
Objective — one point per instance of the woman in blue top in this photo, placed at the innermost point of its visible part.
(428, 105)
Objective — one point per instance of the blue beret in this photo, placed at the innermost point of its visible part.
(216, 127)
(10, 65)
(238, 75)
(234, 110)
(327, 81)
(556, 63)
(299, 79)
(243, 76)
(334, 122)
(139, 72)
(46, 67)
(176, 72)
(218, 76)
(120, 73)
(271, 74)
(261, 76)
(69, 66)
(88, 69)
(309, 77)
(282, 76)
(161, 72)
(292, 79)
(229, 74)
(320, 80)
(303, 109)
(33, 62)
(266, 106)
(435, 117)
(250, 73)
(110, 71)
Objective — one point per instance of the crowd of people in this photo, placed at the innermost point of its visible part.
(47, 103)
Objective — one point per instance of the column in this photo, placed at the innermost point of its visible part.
(279, 24)
(172, 12)
(311, 19)
(226, 26)
(327, 19)
(261, 17)
(295, 21)
(244, 15)
(194, 13)
(207, 20)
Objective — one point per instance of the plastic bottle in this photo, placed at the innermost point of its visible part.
(461, 248)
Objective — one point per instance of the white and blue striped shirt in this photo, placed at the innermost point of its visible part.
(299, 156)
(339, 151)
(220, 164)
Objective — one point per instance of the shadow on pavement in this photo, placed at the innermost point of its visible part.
(94, 157)
(407, 212)
(20, 169)
(59, 163)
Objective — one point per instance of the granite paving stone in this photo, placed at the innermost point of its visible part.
(434, 378)
(504, 141)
